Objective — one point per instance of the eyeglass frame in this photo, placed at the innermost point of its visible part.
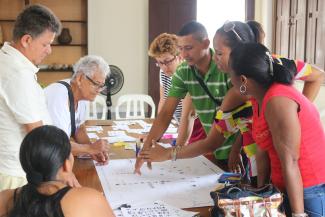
(232, 28)
(95, 84)
(165, 63)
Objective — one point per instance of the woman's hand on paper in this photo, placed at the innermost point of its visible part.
(156, 153)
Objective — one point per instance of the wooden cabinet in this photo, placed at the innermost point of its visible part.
(300, 25)
(73, 15)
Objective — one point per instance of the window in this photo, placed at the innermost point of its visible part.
(214, 13)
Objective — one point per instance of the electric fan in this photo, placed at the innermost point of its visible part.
(114, 84)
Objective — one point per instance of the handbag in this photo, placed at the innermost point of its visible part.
(245, 201)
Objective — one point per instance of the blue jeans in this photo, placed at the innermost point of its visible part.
(314, 201)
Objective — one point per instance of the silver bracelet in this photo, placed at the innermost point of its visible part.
(299, 214)
(173, 154)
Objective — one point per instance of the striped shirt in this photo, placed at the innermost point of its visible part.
(218, 83)
(166, 82)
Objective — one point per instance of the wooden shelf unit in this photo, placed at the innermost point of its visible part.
(73, 15)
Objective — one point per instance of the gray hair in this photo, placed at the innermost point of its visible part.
(34, 20)
(87, 65)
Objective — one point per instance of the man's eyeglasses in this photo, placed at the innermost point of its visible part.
(165, 63)
(230, 26)
(98, 86)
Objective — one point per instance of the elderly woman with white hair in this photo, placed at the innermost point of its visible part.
(66, 102)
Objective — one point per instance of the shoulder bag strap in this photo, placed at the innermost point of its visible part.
(205, 88)
(71, 107)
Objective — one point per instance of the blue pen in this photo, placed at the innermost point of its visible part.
(174, 142)
(137, 147)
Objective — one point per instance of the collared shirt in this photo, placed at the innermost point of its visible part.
(22, 101)
(184, 81)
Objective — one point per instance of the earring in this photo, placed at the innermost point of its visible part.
(242, 89)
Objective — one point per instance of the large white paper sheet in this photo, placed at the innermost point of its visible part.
(157, 209)
(183, 183)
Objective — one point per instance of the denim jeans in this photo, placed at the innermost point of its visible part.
(314, 201)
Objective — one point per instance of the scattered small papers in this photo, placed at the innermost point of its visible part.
(130, 146)
(136, 131)
(92, 136)
(94, 129)
(116, 133)
(115, 139)
(170, 136)
(157, 209)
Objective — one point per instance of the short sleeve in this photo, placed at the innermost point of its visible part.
(303, 70)
(24, 95)
(57, 103)
(160, 78)
(178, 88)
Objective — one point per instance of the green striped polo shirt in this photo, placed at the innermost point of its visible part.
(184, 81)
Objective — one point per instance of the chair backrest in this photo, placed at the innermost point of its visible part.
(94, 106)
(134, 106)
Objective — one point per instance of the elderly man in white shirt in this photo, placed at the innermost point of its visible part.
(86, 83)
(22, 100)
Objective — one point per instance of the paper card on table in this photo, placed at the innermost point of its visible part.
(130, 146)
(157, 209)
(94, 129)
(119, 144)
(165, 145)
(114, 139)
(84, 156)
(142, 123)
(116, 133)
(170, 136)
(146, 129)
(120, 127)
(92, 136)
(125, 122)
(136, 131)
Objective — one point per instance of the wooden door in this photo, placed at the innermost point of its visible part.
(315, 52)
(166, 16)
(297, 29)
(282, 27)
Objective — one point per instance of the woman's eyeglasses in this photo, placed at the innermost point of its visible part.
(230, 26)
(98, 86)
(165, 63)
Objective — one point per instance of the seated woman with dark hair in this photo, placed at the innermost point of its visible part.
(45, 156)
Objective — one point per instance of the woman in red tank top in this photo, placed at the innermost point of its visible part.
(286, 128)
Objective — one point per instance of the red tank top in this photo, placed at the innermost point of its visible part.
(312, 146)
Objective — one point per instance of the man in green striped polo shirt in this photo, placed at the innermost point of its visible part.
(194, 44)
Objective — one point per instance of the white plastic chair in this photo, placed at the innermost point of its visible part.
(134, 106)
(92, 108)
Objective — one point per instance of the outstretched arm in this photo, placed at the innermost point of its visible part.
(186, 123)
(313, 83)
(159, 126)
(158, 153)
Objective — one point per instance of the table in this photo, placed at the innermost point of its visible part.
(86, 174)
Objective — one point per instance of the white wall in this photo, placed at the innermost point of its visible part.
(118, 31)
